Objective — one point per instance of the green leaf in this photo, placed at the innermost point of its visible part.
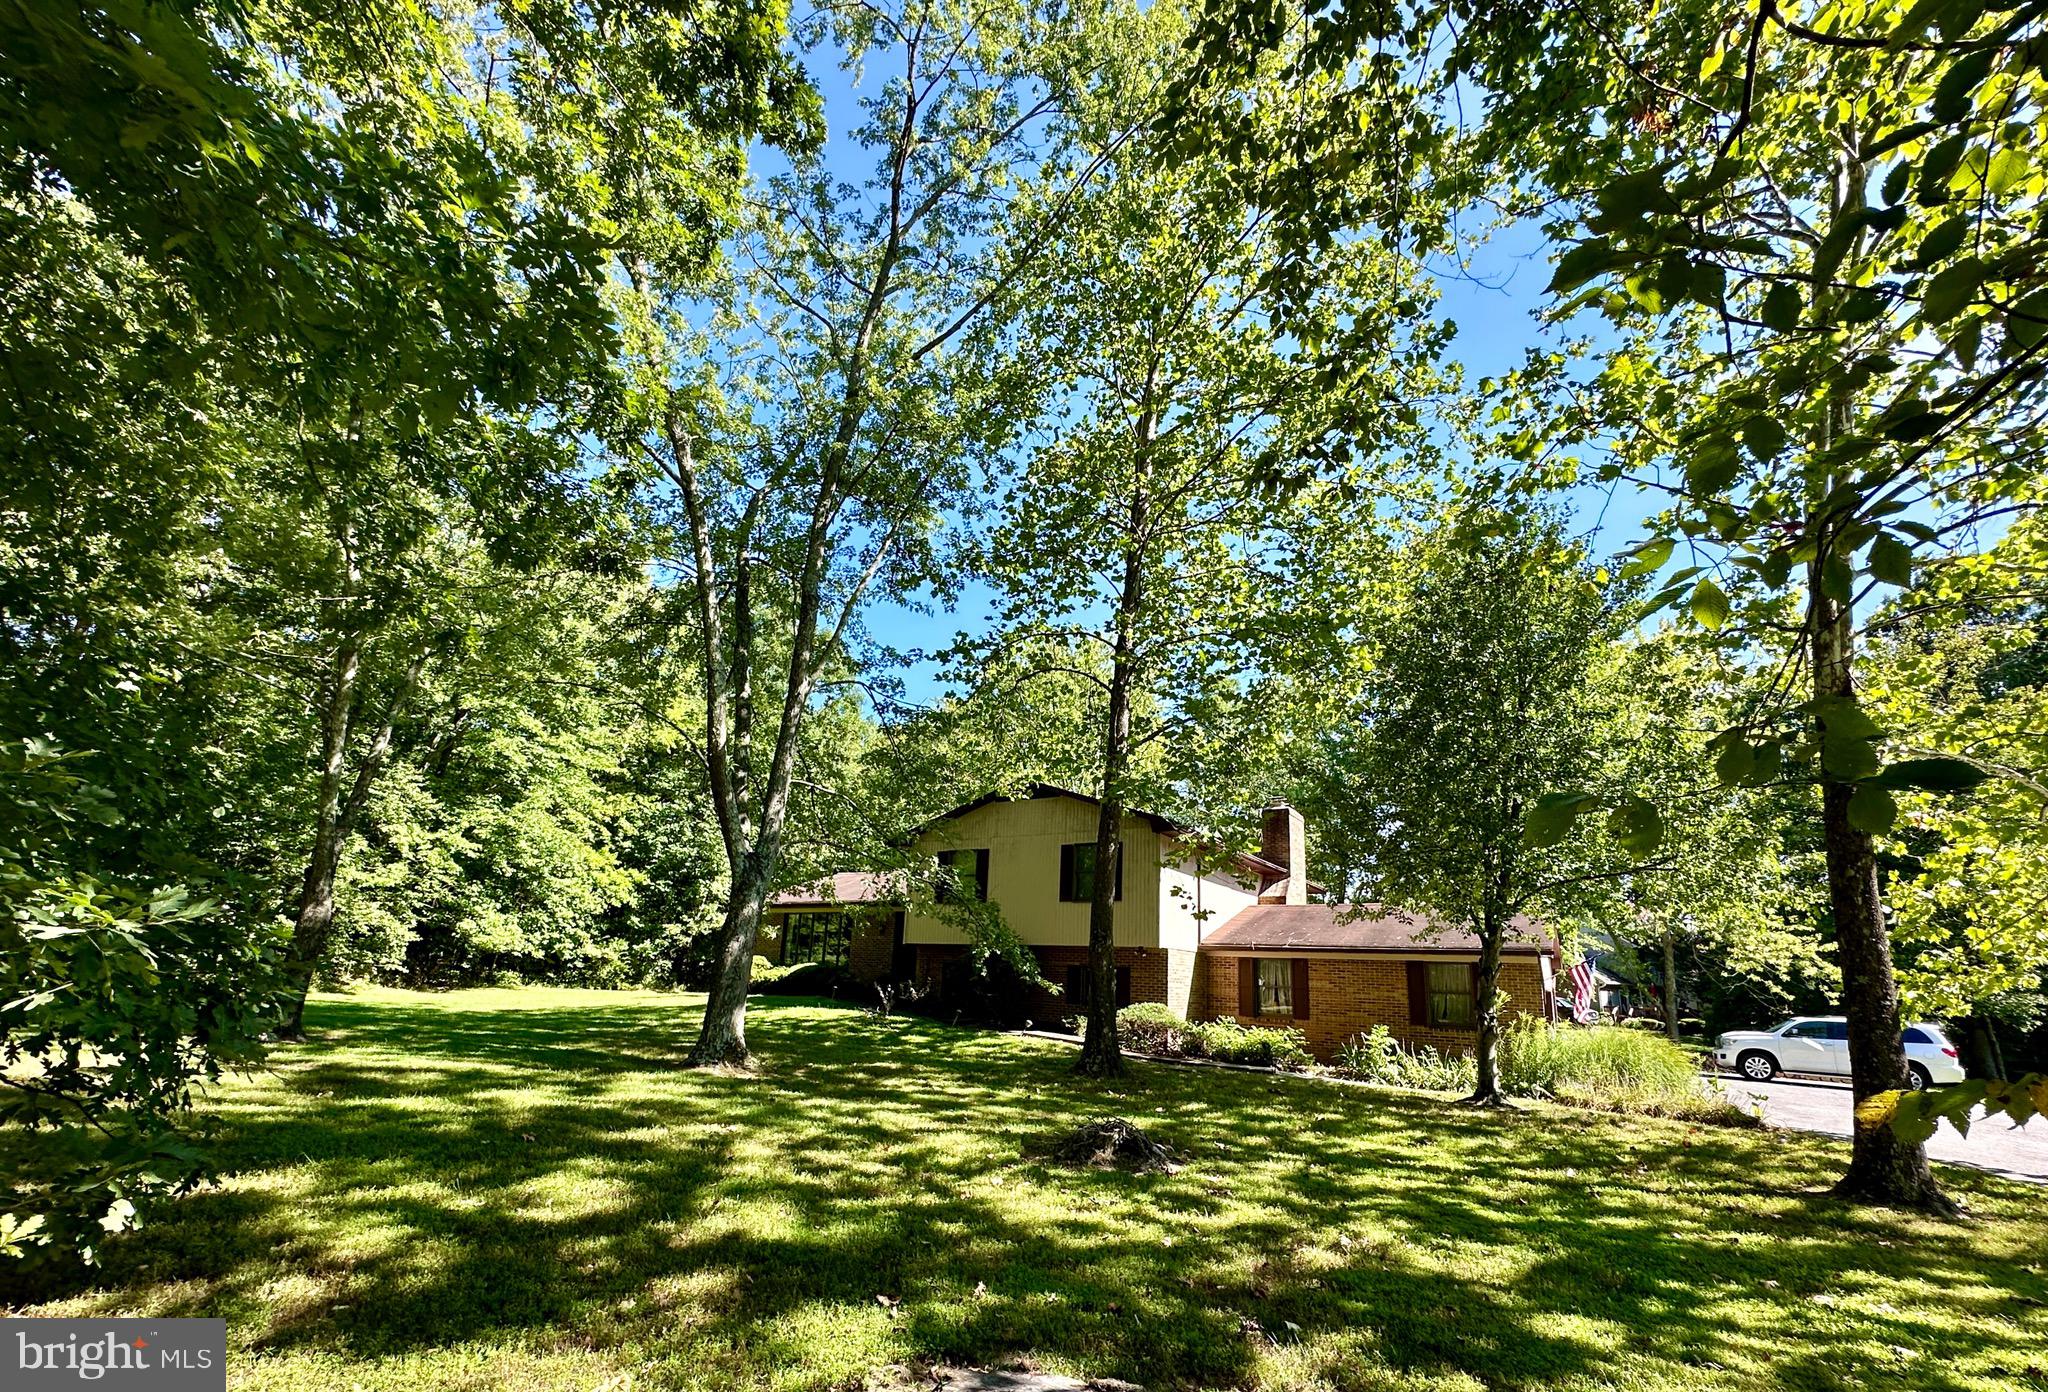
(1714, 464)
(1710, 605)
(1871, 809)
(1736, 760)
(1782, 307)
(1765, 436)
(1956, 93)
(1551, 819)
(1934, 775)
(1846, 758)
(1944, 241)
(1637, 825)
(1648, 557)
(1891, 561)
(1951, 292)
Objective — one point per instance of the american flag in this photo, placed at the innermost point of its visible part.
(1581, 977)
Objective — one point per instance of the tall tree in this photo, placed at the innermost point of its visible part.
(1205, 473)
(850, 400)
(1488, 683)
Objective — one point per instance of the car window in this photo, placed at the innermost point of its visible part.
(1838, 1030)
(1808, 1029)
(1916, 1035)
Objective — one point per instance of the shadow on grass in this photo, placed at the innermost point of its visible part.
(420, 1175)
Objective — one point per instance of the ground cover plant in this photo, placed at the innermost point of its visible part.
(526, 1189)
(1151, 1027)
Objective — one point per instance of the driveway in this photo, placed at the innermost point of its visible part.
(1995, 1145)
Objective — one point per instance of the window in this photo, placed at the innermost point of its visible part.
(1275, 976)
(1916, 1035)
(1077, 873)
(1808, 1029)
(816, 937)
(969, 871)
(1838, 1031)
(1450, 995)
(1080, 987)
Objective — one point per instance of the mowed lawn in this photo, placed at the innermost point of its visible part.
(524, 1189)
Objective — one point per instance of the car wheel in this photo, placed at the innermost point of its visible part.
(1918, 1078)
(1757, 1067)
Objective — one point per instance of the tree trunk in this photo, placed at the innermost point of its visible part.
(1486, 1001)
(723, 1037)
(1101, 1052)
(1883, 1167)
(1671, 983)
(314, 921)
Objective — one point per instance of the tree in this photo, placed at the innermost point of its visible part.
(1483, 693)
(1815, 238)
(847, 399)
(1147, 545)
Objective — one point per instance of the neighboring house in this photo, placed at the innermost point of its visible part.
(1237, 940)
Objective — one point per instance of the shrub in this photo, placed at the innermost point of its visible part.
(1255, 1044)
(1378, 1057)
(808, 979)
(1152, 1028)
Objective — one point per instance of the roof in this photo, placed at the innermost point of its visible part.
(1165, 826)
(847, 887)
(1359, 928)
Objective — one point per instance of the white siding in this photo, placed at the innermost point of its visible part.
(1192, 905)
(1023, 841)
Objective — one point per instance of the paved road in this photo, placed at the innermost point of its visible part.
(1995, 1145)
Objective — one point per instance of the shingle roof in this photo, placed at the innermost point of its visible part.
(847, 887)
(1358, 928)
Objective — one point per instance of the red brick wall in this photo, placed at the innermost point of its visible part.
(1348, 995)
(870, 955)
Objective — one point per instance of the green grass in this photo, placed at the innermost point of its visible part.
(523, 1189)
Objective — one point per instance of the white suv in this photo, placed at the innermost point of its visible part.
(1820, 1044)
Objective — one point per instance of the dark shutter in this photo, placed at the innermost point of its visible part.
(1118, 893)
(1123, 987)
(1418, 993)
(1301, 988)
(1247, 986)
(1067, 875)
(1475, 994)
(981, 873)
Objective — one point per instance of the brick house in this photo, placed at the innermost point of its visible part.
(1208, 934)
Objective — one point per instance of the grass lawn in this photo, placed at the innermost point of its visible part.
(523, 1189)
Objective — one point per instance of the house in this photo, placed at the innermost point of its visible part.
(1212, 935)
(850, 919)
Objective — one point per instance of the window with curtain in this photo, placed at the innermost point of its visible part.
(1450, 995)
(1275, 977)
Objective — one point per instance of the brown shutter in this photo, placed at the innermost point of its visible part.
(1247, 986)
(1301, 988)
(1066, 874)
(981, 873)
(1418, 993)
(1475, 993)
(1118, 892)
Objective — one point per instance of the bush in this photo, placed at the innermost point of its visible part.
(1152, 1028)
(809, 979)
(1379, 1058)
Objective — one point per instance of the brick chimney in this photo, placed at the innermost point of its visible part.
(1284, 841)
